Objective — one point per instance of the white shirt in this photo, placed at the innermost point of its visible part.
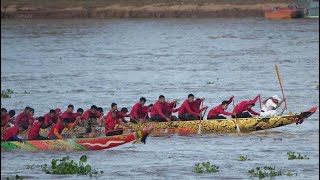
(268, 106)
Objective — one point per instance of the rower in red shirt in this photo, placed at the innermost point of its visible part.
(145, 112)
(243, 108)
(12, 133)
(90, 113)
(114, 106)
(111, 122)
(171, 108)
(158, 111)
(78, 114)
(215, 112)
(195, 106)
(99, 113)
(136, 113)
(123, 114)
(34, 133)
(68, 114)
(31, 118)
(24, 117)
(7, 118)
(50, 118)
(56, 130)
(185, 112)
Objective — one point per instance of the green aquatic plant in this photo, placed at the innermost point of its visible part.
(268, 171)
(68, 166)
(205, 167)
(244, 158)
(17, 177)
(7, 93)
(292, 155)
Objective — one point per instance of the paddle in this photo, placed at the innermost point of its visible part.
(200, 122)
(235, 115)
(285, 102)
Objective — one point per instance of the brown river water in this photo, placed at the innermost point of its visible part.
(51, 63)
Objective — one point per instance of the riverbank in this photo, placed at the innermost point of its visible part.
(28, 9)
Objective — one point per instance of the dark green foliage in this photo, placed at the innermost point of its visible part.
(17, 177)
(6, 94)
(268, 171)
(68, 166)
(291, 156)
(205, 167)
(244, 158)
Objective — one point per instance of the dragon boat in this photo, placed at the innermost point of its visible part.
(80, 144)
(225, 125)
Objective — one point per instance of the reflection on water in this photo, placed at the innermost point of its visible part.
(51, 63)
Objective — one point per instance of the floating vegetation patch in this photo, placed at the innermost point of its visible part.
(268, 171)
(244, 158)
(205, 167)
(292, 155)
(67, 166)
(7, 93)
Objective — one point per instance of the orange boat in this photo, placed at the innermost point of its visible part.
(282, 13)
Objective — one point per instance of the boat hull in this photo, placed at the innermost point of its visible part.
(83, 144)
(224, 125)
(282, 13)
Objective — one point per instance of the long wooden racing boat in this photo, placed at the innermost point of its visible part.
(225, 125)
(83, 144)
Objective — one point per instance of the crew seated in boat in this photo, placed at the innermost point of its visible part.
(90, 119)
(136, 113)
(24, 117)
(270, 105)
(170, 108)
(215, 112)
(243, 108)
(68, 114)
(185, 111)
(56, 130)
(196, 106)
(34, 133)
(7, 118)
(123, 114)
(158, 110)
(50, 118)
(12, 133)
(145, 112)
(114, 106)
(111, 122)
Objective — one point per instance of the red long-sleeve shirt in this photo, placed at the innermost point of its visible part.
(111, 122)
(218, 110)
(14, 131)
(48, 120)
(70, 116)
(88, 114)
(5, 119)
(195, 106)
(22, 119)
(186, 108)
(136, 111)
(158, 108)
(169, 108)
(243, 106)
(34, 131)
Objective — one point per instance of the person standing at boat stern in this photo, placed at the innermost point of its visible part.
(215, 112)
(158, 111)
(270, 105)
(136, 113)
(243, 108)
(185, 112)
